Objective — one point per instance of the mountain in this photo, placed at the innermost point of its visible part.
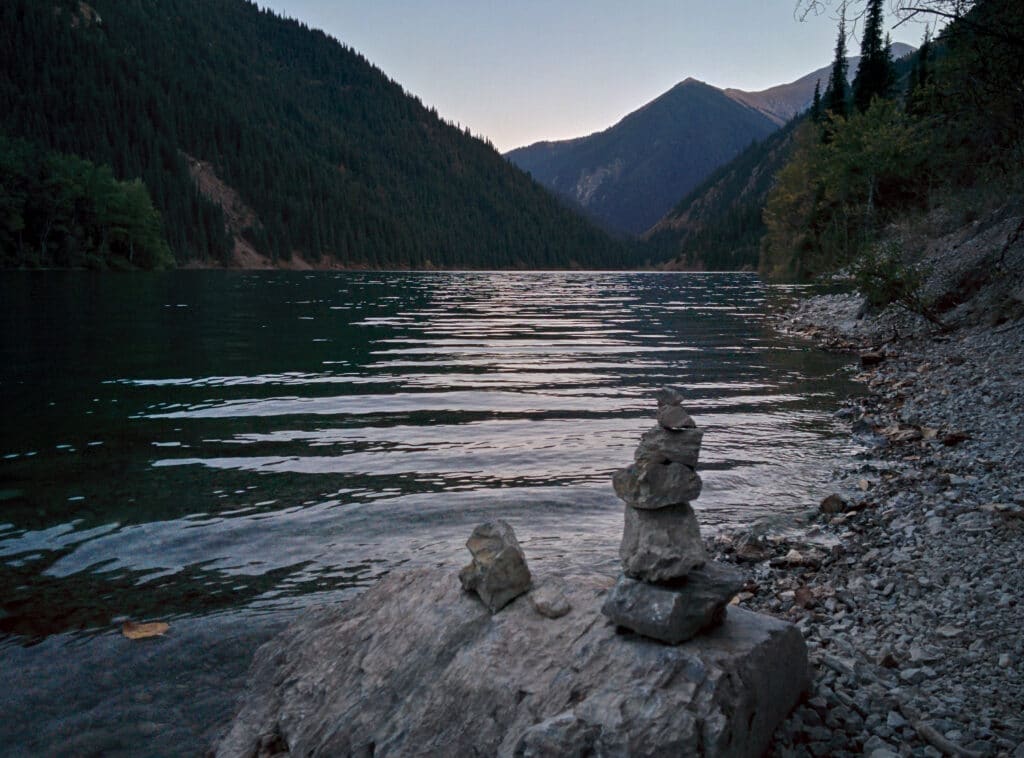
(261, 141)
(782, 102)
(718, 226)
(630, 174)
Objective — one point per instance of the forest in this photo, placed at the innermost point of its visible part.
(337, 162)
(889, 150)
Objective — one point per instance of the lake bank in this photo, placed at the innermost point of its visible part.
(913, 617)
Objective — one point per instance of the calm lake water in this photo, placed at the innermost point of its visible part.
(221, 450)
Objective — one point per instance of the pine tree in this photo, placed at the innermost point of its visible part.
(875, 72)
(816, 103)
(920, 76)
(836, 93)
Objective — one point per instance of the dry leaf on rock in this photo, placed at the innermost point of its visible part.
(134, 631)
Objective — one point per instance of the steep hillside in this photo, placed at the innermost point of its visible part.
(630, 174)
(260, 139)
(784, 101)
(718, 226)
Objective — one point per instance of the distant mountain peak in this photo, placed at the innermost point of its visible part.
(783, 101)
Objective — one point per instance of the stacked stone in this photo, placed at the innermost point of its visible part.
(668, 590)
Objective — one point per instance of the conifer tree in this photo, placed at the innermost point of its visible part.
(920, 76)
(874, 73)
(816, 103)
(835, 94)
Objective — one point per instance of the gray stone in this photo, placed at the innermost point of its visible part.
(415, 667)
(498, 571)
(659, 445)
(549, 601)
(832, 504)
(654, 485)
(674, 613)
(671, 414)
(661, 545)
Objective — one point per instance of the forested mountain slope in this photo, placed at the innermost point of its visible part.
(332, 161)
(630, 174)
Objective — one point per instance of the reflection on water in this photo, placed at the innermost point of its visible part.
(197, 445)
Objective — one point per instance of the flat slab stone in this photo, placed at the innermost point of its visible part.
(659, 445)
(649, 485)
(414, 666)
(674, 614)
(662, 544)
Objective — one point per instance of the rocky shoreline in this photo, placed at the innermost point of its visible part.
(908, 587)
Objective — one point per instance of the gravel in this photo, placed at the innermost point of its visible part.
(907, 586)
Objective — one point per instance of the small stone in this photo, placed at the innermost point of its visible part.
(675, 613)
(659, 445)
(832, 504)
(671, 414)
(895, 720)
(871, 358)
(913, 676)
(1005, 661)
(886, 659)
(549, 601)
(662, 544)
(649, 486)
(876, 743)
(498, 571)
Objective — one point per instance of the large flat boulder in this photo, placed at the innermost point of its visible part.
(416, 666)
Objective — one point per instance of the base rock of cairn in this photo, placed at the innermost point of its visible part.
(667, 591)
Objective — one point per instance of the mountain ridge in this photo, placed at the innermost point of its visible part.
(631, 173)
(782, 102)
(337, 163)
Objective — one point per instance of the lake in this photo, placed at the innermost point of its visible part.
(220, 450)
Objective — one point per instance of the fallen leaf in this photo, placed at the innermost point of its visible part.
(134, 631)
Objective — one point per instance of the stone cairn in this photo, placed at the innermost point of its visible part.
(668, 590)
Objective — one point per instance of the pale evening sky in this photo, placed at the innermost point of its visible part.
(522, 71)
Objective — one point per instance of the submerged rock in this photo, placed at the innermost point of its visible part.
(648, 485)
(662, 544)
(414, 666)
(498, 571)
(674, 613)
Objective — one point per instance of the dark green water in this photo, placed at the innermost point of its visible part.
(220, 450)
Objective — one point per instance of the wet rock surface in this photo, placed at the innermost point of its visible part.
(416, 666)
(907, 585)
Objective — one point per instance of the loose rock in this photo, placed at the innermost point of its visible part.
(498, 571)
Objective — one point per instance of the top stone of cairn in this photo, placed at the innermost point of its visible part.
(671, 414)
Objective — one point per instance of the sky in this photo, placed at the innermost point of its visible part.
(521, 71)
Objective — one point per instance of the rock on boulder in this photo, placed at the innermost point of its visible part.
(659, 445)
(661, 545)
(498, 571)
(674, 613)
(414, 666)
(671, 414)
(649, 485)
